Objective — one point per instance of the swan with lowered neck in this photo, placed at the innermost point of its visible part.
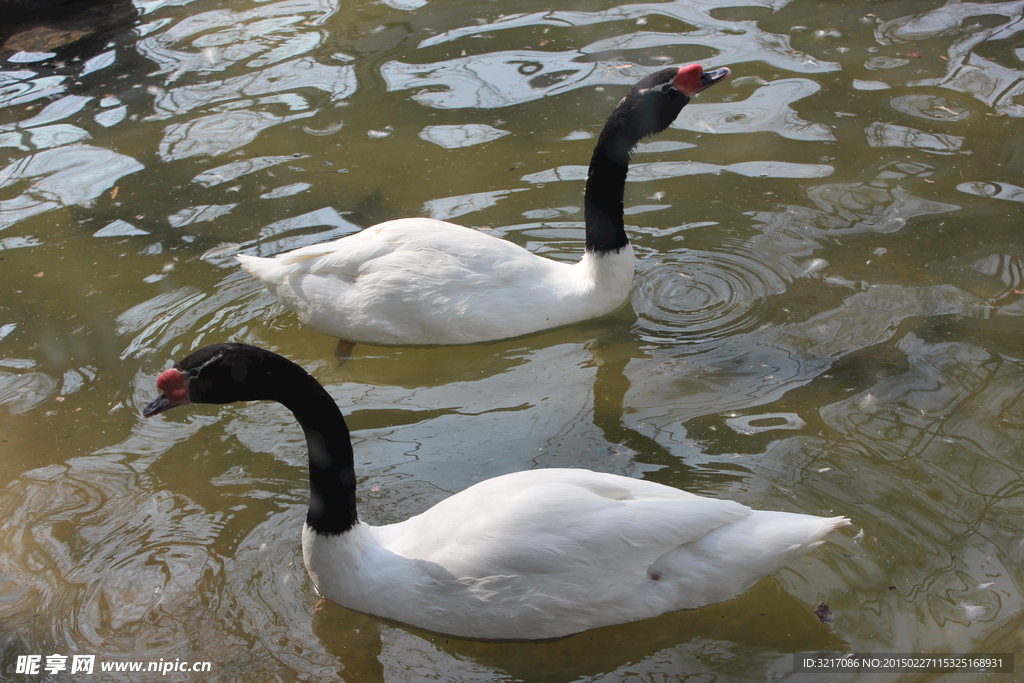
(424, 281)
(529, 555)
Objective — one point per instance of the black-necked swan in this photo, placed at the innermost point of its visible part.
(529, 555)
(424, 281)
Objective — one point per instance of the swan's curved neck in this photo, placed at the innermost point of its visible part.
(606, 179)
(602, 201)
(332, 477)
(633, 118)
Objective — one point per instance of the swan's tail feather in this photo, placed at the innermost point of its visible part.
(734, 557)
(268, 271)
(251, 264)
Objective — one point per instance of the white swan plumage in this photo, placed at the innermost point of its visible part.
(528, 555)
(424, 281)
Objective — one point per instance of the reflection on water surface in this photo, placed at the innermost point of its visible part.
(825, 318)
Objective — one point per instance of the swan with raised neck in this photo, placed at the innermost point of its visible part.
(425, 281)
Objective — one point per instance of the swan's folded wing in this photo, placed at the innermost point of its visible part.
(558, 527)
(344, 258)
(416, 246)
(628, 536)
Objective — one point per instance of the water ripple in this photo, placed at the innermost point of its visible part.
(224, 37)
(501, 79)
(338, 81)
(703, 296)
(995, 190)
(929, 107)
(945, 20)
(274, 600)
(218, 134)
(465, 135)
(880, 205)
(890, 135)
(752, 369)
(956, 411)
(497, 79)
(447, 208)
(22, 392)
(733, 41)
(75, 174)
(112, 566)
(766, 110)
(19, 87)
(190, 314)
(237, 169)
(766, 422)
(55, 111)
(967, 71)
(677, 169)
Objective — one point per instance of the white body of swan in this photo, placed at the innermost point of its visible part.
(547, 553)
(422, 281)
(430, 282)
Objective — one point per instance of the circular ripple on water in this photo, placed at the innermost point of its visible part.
(703, 296)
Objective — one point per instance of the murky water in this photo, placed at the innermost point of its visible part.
(826, 318)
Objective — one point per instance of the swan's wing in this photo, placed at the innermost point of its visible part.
(411, 246)
(563, 521)
(344, 257)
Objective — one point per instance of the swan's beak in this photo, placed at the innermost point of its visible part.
(709, 78)
(159, 405)
(156, 406)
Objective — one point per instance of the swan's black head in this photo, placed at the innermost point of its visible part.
(221, 373)
(653, 104)
(225, 373)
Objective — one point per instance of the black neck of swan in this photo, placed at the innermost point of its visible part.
(629, 123)
(602, 203)
(332, 477)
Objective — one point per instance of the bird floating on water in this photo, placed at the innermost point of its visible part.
(424, 281)
(529, 555)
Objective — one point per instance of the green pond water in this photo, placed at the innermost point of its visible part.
(826, 318)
